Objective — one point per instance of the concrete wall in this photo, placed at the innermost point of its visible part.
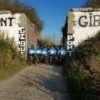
(83, 23)
(19, 27)
(31, 30)
(87, 24)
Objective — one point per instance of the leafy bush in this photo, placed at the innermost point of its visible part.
(83, 70)
(10, 60)
(92, 3)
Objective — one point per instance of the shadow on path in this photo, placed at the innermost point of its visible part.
(48, 81)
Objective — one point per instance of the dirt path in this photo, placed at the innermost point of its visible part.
(41, 82)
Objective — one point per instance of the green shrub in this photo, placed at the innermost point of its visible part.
(83, 82)
(10, 60)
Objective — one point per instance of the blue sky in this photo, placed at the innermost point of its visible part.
(53, 14)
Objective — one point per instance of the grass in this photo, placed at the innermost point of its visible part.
(82, 72)
(10, 60)
(6, 72)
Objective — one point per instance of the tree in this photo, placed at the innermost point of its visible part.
(92, 3)
(47, 41)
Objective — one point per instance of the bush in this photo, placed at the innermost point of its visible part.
(10, 60)
(83, 82)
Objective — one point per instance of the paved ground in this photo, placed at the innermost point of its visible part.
(41, 82)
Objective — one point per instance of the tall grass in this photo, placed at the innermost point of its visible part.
(83, 70)
(10, 60)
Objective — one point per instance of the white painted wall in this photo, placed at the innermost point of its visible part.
(13, 30)
(82, 33)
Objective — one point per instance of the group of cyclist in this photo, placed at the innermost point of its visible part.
(47, 55)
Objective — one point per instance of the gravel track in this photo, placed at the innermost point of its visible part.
(40, 82)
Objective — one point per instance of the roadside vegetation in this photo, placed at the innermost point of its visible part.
(45, 42)
(82, 70)
(10, 60)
